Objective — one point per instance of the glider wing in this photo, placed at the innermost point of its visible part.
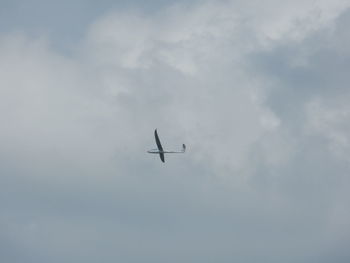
(160, 148)
(159, 145)
(161, 155)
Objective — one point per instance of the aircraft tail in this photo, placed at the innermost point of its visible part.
(183, 148)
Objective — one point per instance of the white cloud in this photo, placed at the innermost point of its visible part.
(331, 122)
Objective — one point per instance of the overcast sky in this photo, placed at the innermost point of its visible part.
(258, 91)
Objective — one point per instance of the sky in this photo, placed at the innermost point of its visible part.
(257, 91)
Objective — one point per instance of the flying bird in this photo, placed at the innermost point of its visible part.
(160, 149)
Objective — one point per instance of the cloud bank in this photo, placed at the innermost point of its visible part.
(259, 95)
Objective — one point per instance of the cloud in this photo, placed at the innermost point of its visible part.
(257, 93)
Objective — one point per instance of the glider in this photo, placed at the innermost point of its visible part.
(160, 150)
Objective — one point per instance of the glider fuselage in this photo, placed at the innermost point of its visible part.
(156, 151)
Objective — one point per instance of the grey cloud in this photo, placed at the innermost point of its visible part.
(315, 174)
(65, 22)
(305, 69)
